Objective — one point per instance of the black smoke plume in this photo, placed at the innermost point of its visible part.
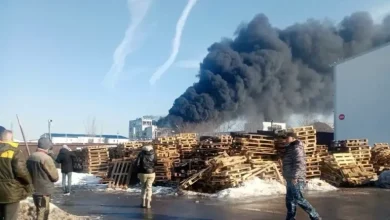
(268, 73)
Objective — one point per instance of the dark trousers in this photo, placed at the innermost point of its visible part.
(9, 211)
(295, 197)
(42, 205)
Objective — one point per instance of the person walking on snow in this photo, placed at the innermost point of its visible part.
(294, 171)
(66, 158)
(44, 174)
(15, 181)
(144, 165)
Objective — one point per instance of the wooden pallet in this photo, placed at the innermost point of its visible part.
(120, 175)
(193, 179)
(300, 129)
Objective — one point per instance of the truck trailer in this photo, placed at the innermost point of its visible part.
(362, 97)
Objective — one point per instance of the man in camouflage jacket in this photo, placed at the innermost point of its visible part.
(294, 171)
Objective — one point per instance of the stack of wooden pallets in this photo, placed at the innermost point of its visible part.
(226, 139)
(128, 150)
(186, 138)
(322, 151)
(380, 157)
(226, 171)
(307, 135)
(96, 161)
(167, 140)
(341, 169)
(166, 154)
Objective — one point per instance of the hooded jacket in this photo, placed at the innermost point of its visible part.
(294, 161)
(66, 158)
(15, 181)
(146, 160)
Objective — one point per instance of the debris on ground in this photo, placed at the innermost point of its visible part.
(27, 212)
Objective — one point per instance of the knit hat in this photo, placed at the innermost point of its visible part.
(66, 147)
(147, 148)
(44, 143)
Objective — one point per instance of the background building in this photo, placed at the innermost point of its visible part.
(361, 97)
(58, 138)
(143, 128)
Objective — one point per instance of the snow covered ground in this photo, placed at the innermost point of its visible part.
(80, 179)
(251, 188)
(27, 212)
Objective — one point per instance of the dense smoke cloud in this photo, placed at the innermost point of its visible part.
(269, 73)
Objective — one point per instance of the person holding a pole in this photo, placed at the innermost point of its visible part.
(15, 181)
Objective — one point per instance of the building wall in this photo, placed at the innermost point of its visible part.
(362, 94)
(138, 128)
(86, 140)
(116, 141)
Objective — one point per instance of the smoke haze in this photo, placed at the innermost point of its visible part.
(268, 73)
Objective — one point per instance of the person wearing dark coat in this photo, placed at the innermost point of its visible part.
(144, 165)
(66, 158)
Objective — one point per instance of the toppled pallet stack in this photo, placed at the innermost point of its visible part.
(341, 169)
(380, 157)
(226, 171)
(359, 148)
(96, 161)
(307, 135)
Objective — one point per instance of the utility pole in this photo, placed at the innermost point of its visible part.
(49, 126)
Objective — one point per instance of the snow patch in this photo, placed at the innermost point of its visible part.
(80, 179)
(257, 187)
(252, 188)
(27, 211)
(319, 185)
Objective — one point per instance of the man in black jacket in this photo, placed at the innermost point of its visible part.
(66, 158)
(145, 168)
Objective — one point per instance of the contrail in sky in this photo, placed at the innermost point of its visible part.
(176, 42)
(138, 10)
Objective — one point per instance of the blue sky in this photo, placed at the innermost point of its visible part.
(54, 55)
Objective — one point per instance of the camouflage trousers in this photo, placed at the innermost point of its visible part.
(295, 197)
(42, 205)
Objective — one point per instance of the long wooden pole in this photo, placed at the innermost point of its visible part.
(24, 137)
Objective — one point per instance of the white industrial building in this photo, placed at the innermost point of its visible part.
(362, 97)
(58, 138)
(142, 128)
